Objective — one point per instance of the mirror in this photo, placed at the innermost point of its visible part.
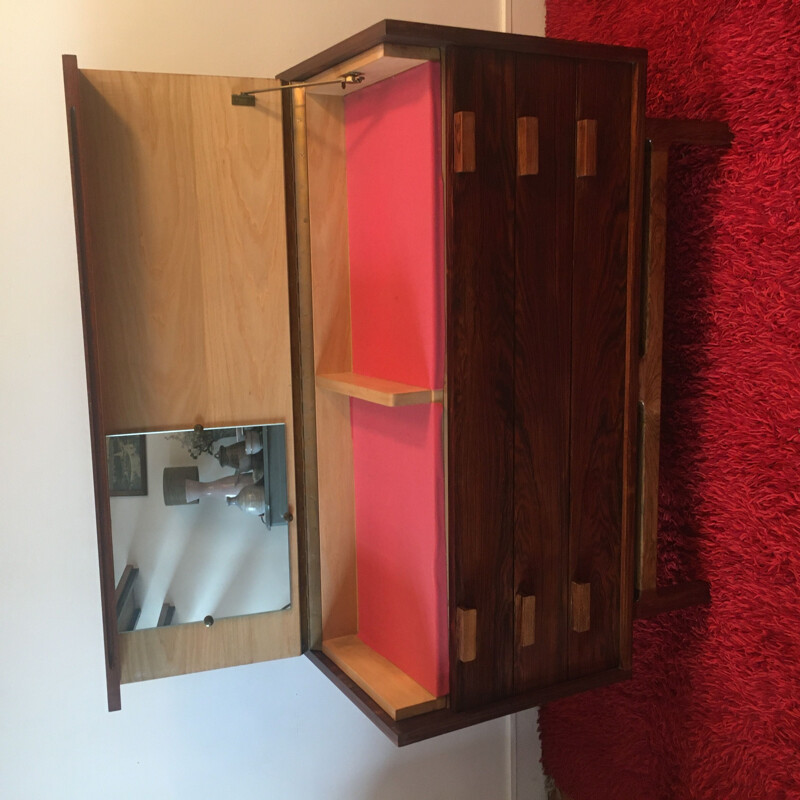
(199, 523)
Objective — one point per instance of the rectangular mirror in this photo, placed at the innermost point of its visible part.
(199, 525)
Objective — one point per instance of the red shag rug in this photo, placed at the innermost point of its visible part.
(714, 708)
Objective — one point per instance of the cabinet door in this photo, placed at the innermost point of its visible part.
(179, 205)
(480, 157)
(545, 114)
(186, 232)
(604, 330)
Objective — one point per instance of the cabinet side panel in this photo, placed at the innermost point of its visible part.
(544, 213)
(480, 370)
(599, 354)
(140, 187)
(327, 173)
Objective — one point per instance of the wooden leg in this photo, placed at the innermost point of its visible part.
(670, 598)
(650, 367)
(660, 133)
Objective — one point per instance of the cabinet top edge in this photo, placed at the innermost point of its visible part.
(390, 31)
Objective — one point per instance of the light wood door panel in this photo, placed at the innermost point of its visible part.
(185, 199)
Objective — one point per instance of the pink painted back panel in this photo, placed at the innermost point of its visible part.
(394, 192)
(393, 133)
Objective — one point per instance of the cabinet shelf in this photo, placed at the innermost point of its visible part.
(397, 694)
(378, 390)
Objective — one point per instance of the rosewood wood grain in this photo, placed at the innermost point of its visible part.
(664, 132)
(424, 35)
(86, 274)
(600, 335)
(480, 368)
(436, 723)
(650, 368)
(630, 426)
(671, 598)
(661, 134)
(306, 510)
(542, 365)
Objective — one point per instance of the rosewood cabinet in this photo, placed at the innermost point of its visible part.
(427, 266)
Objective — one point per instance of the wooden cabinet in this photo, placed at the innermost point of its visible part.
(543, 229)
(242, 264)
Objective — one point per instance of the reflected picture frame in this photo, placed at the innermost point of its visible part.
(126, 457)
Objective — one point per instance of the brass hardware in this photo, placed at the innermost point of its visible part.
(198, 428)
(247, 98)
(208, 621)
(288, 516)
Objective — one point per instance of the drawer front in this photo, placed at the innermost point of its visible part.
(604, 325)
(545, 113)
(479, 110)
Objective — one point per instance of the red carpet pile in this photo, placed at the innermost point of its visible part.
(714, 708)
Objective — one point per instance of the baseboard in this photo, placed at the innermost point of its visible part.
(527, 778)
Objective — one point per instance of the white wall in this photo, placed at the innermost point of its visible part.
(277, 730)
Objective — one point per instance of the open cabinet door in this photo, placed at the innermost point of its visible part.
(181, 227)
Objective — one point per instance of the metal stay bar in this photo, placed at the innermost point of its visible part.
(248, 98)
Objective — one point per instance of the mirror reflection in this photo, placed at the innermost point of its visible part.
(199, 523)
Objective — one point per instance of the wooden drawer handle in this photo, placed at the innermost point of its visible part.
(464, 141)
(467, 633)
(527, 146)
(581, 606)
(586, 148)
(526, 616)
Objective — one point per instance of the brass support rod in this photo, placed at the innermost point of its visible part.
(347, 79)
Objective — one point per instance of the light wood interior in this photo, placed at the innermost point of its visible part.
(185, 197)
(332, 353)
(180, 649)
(381, 62)
(398, 694)
(378, 390)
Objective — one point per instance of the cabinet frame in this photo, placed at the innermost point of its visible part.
(301, 338)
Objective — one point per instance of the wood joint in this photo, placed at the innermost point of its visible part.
(526, 616)
(586, 149)
(527, 146)
(467, 634)
(581, 606)
(464, 141)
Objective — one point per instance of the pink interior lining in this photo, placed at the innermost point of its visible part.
(394, 189)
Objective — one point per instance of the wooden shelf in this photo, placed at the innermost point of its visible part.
(395, 692)
(378, 390)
